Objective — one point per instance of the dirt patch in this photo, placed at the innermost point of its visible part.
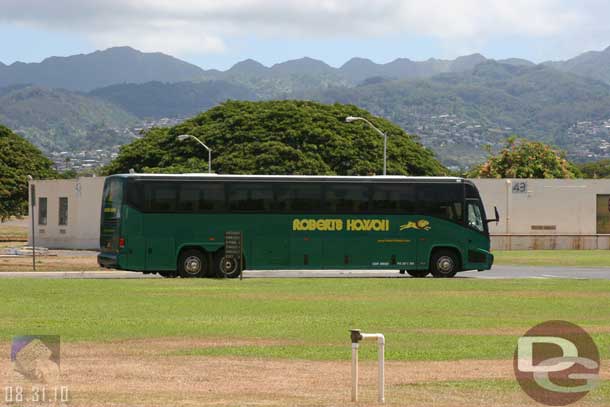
(140, 373)
(50, 263)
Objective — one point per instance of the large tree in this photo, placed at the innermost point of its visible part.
(279, 137)
(521, 158)
(596, 169)
(18, 159)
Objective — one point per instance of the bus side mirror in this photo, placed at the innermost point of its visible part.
(497, 219)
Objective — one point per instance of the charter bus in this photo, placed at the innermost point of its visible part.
(174, 225)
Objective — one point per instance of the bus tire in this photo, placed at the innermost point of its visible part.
(418, 273)
(444, 264)
(193, 263)
(220, 259)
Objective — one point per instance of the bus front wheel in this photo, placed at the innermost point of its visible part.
(444, 264)
(193, 263)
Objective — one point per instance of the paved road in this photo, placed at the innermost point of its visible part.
(498, 272)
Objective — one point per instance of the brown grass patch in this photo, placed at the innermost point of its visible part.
(139, 373)
(50, 263)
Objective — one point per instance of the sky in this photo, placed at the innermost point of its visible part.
(219, 33)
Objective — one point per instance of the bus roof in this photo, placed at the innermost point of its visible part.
(304, 178)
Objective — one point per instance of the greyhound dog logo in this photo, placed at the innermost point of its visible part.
(421, 224)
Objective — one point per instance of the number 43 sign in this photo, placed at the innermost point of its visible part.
(520, 187)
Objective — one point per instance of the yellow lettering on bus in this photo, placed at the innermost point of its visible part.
(336, 225)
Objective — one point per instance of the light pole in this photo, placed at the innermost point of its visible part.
(184, 137)
(351, 119)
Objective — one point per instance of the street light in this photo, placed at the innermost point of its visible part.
(351, 119)
(184, 137)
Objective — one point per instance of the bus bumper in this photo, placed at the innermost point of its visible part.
(107, 260)
(489, 263)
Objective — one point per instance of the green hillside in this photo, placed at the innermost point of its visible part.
(537, 102)
(278, 137)
(55, 119)
(182, 99)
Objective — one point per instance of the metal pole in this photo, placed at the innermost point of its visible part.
(381, 367)
(32, 206)
(354, 372)
(209, 161)
(385, 154)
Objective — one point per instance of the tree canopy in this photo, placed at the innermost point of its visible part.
(596, 169)
(521, 158)
(278, 137)
(18, 159)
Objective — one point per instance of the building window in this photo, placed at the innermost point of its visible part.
(63, 211)
(603, 214)
(42, 211)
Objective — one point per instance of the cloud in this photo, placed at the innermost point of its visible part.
(202, 26)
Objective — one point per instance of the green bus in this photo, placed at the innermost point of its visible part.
(175, 225)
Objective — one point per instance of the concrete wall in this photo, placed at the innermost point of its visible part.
(545, 214)
(84, 207)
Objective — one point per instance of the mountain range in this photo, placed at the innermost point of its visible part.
(456, 106)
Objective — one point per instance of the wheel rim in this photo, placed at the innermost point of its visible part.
(228, 265)
(445, 264)
(192, 265)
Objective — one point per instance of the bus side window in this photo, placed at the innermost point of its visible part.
(440, 200)
(160, 197)
(188, 197)
(212, 198)
(250, 197)
(346, 198)
(284, 195)
(306, 198)
(393, 198)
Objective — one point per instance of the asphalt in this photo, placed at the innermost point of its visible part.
(498, 272)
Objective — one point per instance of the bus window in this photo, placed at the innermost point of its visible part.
(212, 198)
(441, 200)
(160, 197)
(346, 198)
(298, 197)
(475, 216)
(250, 197)
(188, 197)
(471, 191)
(393, 198)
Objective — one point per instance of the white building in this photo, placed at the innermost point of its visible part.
(534, 214)
(67, 213)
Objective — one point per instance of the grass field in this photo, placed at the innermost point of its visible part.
(566, 258)
(423, 319)
(301, 326)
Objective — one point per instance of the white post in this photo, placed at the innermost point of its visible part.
(355, 372)
(357, 336)
(381, 368)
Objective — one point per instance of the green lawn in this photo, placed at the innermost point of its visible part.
(308, 318)
(576, 258)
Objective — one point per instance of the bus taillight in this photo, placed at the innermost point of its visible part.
(121, 243)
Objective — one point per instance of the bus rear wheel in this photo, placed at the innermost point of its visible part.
(444, 264)
(193, 263)
(418, 273)
(227, 267)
